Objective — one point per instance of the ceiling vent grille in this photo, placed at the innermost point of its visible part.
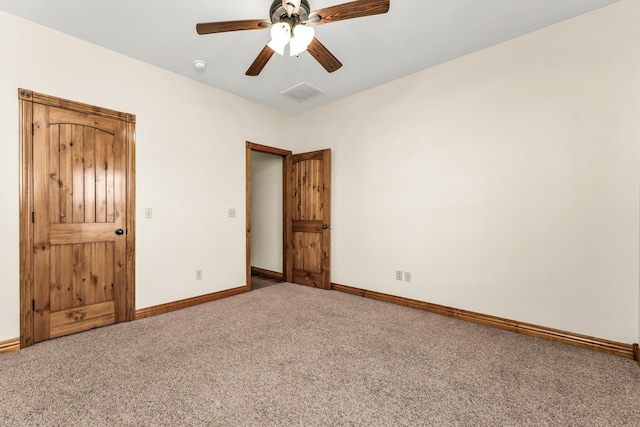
(302, 92)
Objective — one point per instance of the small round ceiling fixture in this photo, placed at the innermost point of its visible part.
(199, 65)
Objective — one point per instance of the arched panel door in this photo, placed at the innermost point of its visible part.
(308, 219)
(81, 220)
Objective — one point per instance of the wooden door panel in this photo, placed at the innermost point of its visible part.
(77, 174)
(104, 194)
(308, 219)
(79, 202)
(314, 226)
(89, 181)
(73, 320)
(61, 137)
(307, 185)
(308, 251)
(61, 234)
(61, 289)
(315, 280)
(68, 116)
(81, 274)
(86, 174)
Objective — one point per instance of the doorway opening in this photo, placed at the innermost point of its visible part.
(266, 261)
(306, 213)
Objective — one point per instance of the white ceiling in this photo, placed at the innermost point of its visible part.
(412, 36)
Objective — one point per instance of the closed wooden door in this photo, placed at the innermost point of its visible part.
(80, 221)
(308, 218)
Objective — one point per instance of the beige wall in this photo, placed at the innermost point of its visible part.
(190, 161)
(506, 181)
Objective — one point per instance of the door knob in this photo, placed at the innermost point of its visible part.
(119, 231)
(325, 226)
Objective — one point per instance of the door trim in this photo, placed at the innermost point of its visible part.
(250, 146)
(26, 100)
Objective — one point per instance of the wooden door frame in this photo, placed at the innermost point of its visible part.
(26, 100)
(268, 150)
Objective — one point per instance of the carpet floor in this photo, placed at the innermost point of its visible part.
(288, 355)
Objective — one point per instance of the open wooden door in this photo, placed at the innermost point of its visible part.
(308, 218)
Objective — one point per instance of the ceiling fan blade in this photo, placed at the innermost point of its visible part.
(225, 26)
(261, 60)
(354, 9)
(323, 56)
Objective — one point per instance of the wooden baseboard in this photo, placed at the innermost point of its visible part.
(266, 273)
(189, 302)
(9, 345)
(14, 344)
(631, 351)
(598, 344)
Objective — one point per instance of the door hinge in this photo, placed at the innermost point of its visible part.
(33, 217)
(33, 129)
(33, 305)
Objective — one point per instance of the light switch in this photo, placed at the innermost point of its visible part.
(232, 213)
(148, 213)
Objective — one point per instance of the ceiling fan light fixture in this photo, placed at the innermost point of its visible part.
(302, 36)
(280, 35)
(285, 15)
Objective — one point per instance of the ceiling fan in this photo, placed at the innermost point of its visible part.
(292, 23)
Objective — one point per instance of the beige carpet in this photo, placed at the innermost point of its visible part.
(288, 355)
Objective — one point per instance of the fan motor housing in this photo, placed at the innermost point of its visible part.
(279, 13)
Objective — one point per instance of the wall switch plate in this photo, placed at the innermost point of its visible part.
(232, 213)
(198, 274)
(398, 275)
(148, 213)
(407, 276)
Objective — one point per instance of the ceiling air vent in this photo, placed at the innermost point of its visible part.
(302, 92)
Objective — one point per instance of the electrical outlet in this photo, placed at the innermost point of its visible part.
(398, 275)
(407, 276)
(198, 274)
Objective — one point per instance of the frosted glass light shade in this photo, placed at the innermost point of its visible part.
(277, 47)
(280, 35)
(302, 36)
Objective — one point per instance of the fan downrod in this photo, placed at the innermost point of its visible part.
(279, 13)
